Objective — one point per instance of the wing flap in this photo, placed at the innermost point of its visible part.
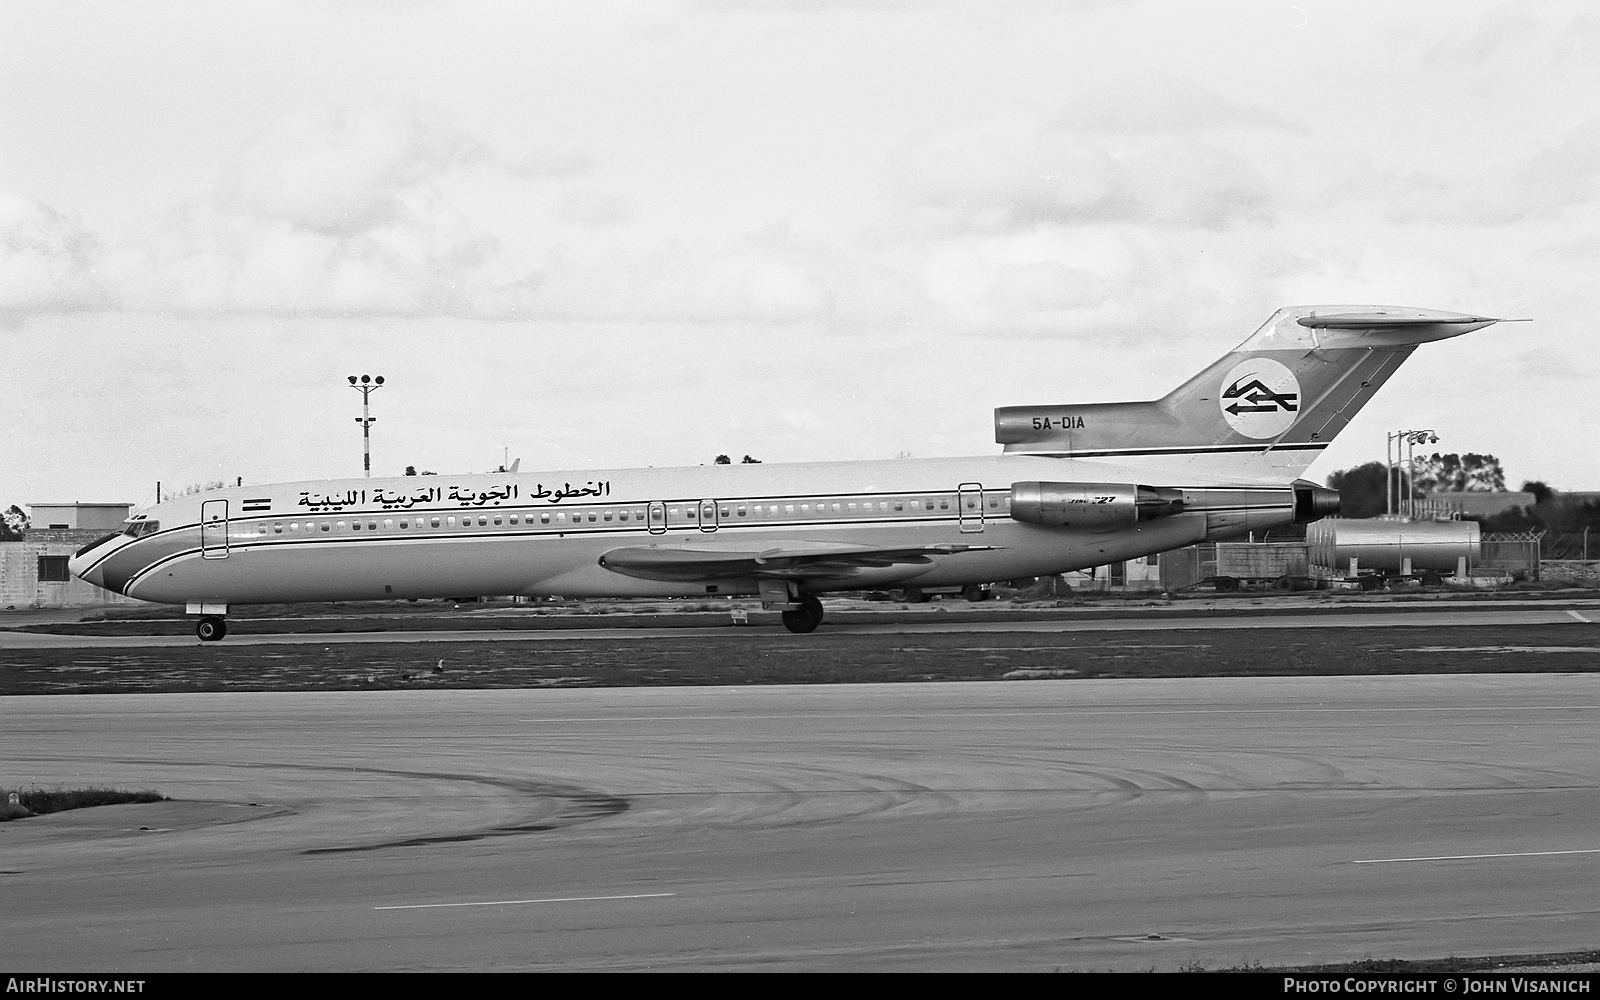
(785, 561)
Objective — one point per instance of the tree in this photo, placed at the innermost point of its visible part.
(1361, 490)
(724, 460)
(1542, 493)
(1454, 473)
(13, 523)
(193, 488)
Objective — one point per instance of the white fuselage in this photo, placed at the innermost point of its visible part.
(545, 534)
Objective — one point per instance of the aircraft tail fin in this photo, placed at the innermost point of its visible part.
(1272, 404)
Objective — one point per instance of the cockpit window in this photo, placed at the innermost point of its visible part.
(137, 529)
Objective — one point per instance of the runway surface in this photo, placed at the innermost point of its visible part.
(1091, 824)
(1553, 613)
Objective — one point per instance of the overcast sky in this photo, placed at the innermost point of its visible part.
(610, 234)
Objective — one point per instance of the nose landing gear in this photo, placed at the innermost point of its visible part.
(211, 628)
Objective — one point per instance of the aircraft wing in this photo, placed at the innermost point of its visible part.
(784, 561)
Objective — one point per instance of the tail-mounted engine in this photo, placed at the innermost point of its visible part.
(1095, 506)
(1313, 502)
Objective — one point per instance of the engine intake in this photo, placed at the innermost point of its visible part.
(1097, 506)
(1313, 502)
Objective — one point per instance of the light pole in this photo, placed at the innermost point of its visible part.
(368, 385)
(1408, 473)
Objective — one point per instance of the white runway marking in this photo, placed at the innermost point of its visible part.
(1501, 649)
(1580, 618)
(523, 902)
(1475, 857)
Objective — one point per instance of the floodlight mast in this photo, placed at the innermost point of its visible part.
(1405, 506)
(368, 384)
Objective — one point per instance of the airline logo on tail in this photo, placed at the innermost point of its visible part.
(1260, 398)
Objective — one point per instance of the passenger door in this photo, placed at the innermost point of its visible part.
(969, 503)
(214, 529)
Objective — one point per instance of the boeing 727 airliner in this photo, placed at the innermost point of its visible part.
(1077, 486)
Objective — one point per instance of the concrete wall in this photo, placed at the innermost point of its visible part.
(20, 586)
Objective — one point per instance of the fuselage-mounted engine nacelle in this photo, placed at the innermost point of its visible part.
(1094, 506)
(1313, 502)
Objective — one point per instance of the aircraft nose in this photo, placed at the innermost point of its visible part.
(78, 567)
(82, 563)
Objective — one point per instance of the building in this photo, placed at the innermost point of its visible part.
(101, 517)
(1471, 503)
(33, 571)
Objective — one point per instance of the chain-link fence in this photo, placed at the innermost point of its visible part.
(1516, 554)
(1569, 545)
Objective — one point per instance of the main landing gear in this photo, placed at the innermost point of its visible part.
(211, 628)
(806, 617)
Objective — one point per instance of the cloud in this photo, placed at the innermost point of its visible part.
(1043, 286)
(551, 162)
(48, 262)
(1123, 155)
(352, 210)
(591, 207)
(341, 170)
(1166, 104)
(1541, 185)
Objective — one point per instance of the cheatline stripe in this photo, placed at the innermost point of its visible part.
(1476, 857)
(518, 902)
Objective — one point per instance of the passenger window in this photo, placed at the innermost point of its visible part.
(355, 525)
(435, 521)
(607, 516)
(403, 524)
(483, 522)
(929, 504)
(591, 518)
(741, 512)
(324, 525)
(899, 505)
(943, 505)
(277, 528)
(622, 515)
(544, 518)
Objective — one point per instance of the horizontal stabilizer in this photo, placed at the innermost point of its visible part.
(1263, 411)
(1386, 320)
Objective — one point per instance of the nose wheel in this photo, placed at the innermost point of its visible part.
(806, 617)
(211, 628)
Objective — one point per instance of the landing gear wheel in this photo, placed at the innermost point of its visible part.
(974, 593)
(211, 628)
(805, 618)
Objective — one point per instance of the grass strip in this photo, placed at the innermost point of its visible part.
(23, 802)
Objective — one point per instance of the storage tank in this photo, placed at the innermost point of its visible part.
(1385, 543)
